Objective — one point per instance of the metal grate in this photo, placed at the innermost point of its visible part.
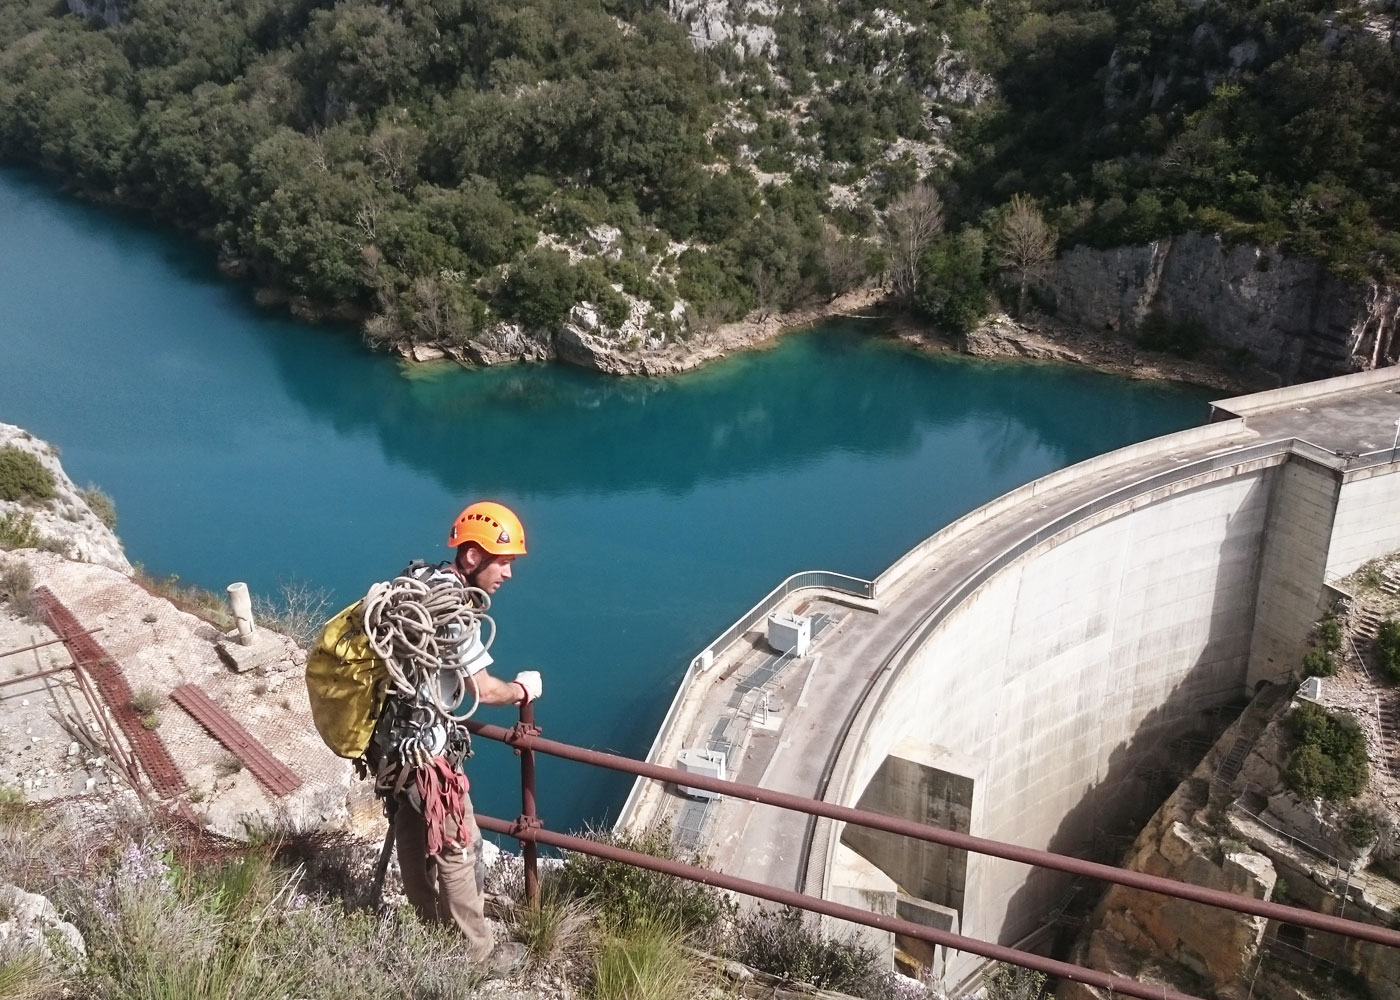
(271, 773)
(89, 656)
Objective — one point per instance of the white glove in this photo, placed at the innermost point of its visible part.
(530, 683)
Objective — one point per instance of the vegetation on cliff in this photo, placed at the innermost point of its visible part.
(1329, 754)
(438, 168)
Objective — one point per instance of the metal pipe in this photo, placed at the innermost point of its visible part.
(46, 642)
(961, 841)
(529, 819)
(789, 897)
(40, 673)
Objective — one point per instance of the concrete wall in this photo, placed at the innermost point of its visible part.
(1293, 563)
(1367, 523)
(1063, 677)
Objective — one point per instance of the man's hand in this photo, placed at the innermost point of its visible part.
(531, 685)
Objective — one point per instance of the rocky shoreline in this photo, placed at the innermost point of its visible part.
(999, 336)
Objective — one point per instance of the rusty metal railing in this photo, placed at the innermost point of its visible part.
(525, 738)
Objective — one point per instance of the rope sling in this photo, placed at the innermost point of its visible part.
(427, 635)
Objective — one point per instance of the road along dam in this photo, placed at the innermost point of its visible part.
(1027, 673)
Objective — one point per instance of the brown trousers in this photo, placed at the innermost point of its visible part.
(449, 888)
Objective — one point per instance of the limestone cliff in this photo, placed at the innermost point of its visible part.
(1287, 314)
(64, 524)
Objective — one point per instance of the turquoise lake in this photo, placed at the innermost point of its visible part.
(241, 445)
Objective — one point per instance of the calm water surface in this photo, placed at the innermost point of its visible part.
(240, 445)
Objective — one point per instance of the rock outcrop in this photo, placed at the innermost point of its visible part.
(31, 923)
(1286, 314)
(65, 523)
(1233, 825)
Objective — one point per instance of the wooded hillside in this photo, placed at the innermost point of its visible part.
(436, 168)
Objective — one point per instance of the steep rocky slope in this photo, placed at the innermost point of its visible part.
(65, 524)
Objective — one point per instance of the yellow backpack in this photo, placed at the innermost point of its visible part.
(346, 683)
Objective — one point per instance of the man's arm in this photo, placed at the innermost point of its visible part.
(494, 691)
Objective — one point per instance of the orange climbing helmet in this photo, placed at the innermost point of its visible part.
(491, 525)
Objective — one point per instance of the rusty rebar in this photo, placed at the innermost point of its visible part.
(40, 673)
(949, 838)
(790, 897)
(46, 642)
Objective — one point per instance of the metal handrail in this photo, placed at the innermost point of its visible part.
(525, 738)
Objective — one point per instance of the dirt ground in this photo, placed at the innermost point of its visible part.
(58, 741)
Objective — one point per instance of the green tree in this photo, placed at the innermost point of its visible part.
(952, 288)
(540, 289)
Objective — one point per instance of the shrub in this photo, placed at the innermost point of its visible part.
(187, 597)
(23, 477)
(16, 582)
(625, 895)
(1011, 982)
(146, 700)
(17, 531)
(1329, 756)
(1387, 649)
(1362, 827)
(1318, 662)
(1329, 633)
(540, 289)
(101, 505)
(784, 943)
(299, 610)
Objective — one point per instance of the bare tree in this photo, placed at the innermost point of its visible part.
(1023, 242)
(844, 260)
(430, 318)
(910, 225)
(765, 290)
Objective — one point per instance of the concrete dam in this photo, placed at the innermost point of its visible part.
(1024, 673)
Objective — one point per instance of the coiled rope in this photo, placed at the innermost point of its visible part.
(425, 633)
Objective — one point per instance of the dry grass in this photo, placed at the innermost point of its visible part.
(560, 926)
(170, 914)
(647, 961)
(23, 975)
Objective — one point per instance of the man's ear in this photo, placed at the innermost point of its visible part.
(471, 557)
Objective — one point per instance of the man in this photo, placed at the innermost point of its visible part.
(437, 839)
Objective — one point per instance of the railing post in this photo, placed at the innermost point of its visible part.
(529, 850)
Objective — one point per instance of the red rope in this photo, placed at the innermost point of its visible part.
(444, 794)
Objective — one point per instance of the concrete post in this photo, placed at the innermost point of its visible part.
(242, 606)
